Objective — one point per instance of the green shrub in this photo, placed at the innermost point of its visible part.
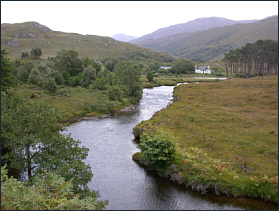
(63, 92)
(50, 85)
(103, 107)
(158, 148)
(100, 84)
(33, 75)
(58, 77)
(114, 93)
(22, 74)
(49, 192)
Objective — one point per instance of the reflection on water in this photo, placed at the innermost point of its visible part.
(122, 181)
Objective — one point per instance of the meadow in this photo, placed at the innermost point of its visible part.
(227, 132)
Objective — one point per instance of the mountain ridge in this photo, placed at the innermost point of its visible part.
(22, 37)
(211, 44)
(199, 24)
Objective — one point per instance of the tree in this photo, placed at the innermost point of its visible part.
(22, 74)
(128, 74)
(114, 93)
(258, 58)
(33, 76)
(183, 66)
(68, 61)
(88, 76)
(86, 62)
(149, 76)
(7, 78)
(57, 77)
(30, 132)
(158, 148)
(35, 53)
(50, 85)
(49, 191)
(24, 55)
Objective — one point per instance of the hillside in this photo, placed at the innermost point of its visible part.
(199, 24)
(211, 44)
(123, 37)
(22, 37)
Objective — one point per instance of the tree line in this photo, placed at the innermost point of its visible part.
(55, 175)
(254, 59)
(67, 69)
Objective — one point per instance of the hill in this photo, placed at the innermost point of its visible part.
(22, 37)
(212, 43)
(199, 24)
(123, 37)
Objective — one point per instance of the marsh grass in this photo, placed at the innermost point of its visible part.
(233, 121)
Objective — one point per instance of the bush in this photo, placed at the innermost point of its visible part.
(103, 107)
(49, 192)
(63, 92)
(33, 75)
(22, 74)
(158, 148)
(74, 81)
(114, 93)
(50, 85)
(149, 76)
(100, 84)
(58, 77)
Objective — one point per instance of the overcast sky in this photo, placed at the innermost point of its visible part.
(136, 18)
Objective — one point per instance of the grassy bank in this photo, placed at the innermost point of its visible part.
(227, 133)
(172, 80)
(76, 102)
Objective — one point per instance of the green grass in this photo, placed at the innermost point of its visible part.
(95, 47)
(172, 80)
(234, 121)
(79, 102)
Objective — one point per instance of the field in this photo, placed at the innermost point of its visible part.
(172, 80)
(232, 122)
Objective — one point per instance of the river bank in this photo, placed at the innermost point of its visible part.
(227, 134)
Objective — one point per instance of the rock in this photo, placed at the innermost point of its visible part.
(14, 42)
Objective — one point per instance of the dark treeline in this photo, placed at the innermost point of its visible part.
(254, 59)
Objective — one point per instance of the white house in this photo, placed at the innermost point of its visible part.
(205, 69)
(166, 68)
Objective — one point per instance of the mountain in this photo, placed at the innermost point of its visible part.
(22, 37)
(199, 24)
(123, 37)
(211, 44)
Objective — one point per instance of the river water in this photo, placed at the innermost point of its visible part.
(122, 181)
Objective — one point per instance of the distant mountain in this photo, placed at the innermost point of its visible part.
(22, 37)
(123, 37)
(199, 24)
(211, 44)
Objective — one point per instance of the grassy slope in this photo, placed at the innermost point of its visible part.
(95, 47)
(233, 120)
(215, 42)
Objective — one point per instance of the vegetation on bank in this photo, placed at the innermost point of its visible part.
(227, 134)
(49, 192)
(37, 95)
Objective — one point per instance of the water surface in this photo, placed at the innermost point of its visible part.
(122, 181)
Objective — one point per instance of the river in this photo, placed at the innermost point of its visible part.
(122, 181)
